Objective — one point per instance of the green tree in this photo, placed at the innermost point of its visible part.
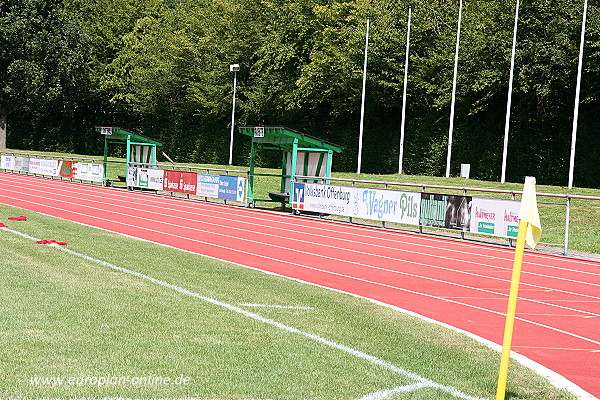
(44, 62)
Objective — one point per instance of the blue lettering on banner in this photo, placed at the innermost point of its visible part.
(328, 192)
(202, 178)
(228, 187)
(240, 191)
(378, 206)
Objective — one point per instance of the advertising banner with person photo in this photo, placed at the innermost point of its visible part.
(446, 211)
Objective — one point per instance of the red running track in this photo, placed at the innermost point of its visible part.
(462, 284)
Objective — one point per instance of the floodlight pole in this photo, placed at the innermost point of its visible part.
(401, 155)
(577, 93)
(451, 128)
(509, 101)
(233, 68)
(362, 105)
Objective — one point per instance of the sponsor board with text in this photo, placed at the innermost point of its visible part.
(495, 217)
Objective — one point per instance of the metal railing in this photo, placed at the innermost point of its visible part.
(465, 190)
(50, 157)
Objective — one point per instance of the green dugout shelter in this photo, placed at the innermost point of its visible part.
(303, 155)
(140, 149)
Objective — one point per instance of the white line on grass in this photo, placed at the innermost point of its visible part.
(421, 382)
(275, 306)
(385, 394)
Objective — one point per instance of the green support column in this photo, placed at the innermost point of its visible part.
(105, 159)
(293, 171)
(128, 157)
(251, 177)
(283, 171)
(329, 162)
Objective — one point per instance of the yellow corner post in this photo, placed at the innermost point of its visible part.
(530, 232)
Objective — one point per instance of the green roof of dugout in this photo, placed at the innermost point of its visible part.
(114, 133)
(283, 138)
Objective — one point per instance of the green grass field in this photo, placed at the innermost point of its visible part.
(68, 317)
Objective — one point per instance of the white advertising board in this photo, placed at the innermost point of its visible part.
(89, 171)
(49, 167)
(495, 217)
(208, 185)
(387, 205)
(325, 199)
(35, 165)
(146, 178)
(373, 204)
(7, 162)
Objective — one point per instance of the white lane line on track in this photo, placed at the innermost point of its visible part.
(217, 208)
(336, 274)
(370, 266)
(422, 382)
(273, 228)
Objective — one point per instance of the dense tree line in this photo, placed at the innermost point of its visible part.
(161, 67)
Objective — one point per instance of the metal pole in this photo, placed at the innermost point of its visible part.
(401, 156)
(362, 106)
(567, 224)
(232, 119)
(510, 89)
(451, 129)
(577, 92)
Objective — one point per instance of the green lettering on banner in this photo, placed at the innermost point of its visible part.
(512, 230)
(143, 179)
(486, 227)
(433, 211)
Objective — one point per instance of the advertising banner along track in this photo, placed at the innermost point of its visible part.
(494, 217)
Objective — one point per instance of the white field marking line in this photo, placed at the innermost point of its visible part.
(216, 208)
(422, 381)
(369, 266)
(185, 206)
(275, 306)
(385, 394)
(343, 276)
